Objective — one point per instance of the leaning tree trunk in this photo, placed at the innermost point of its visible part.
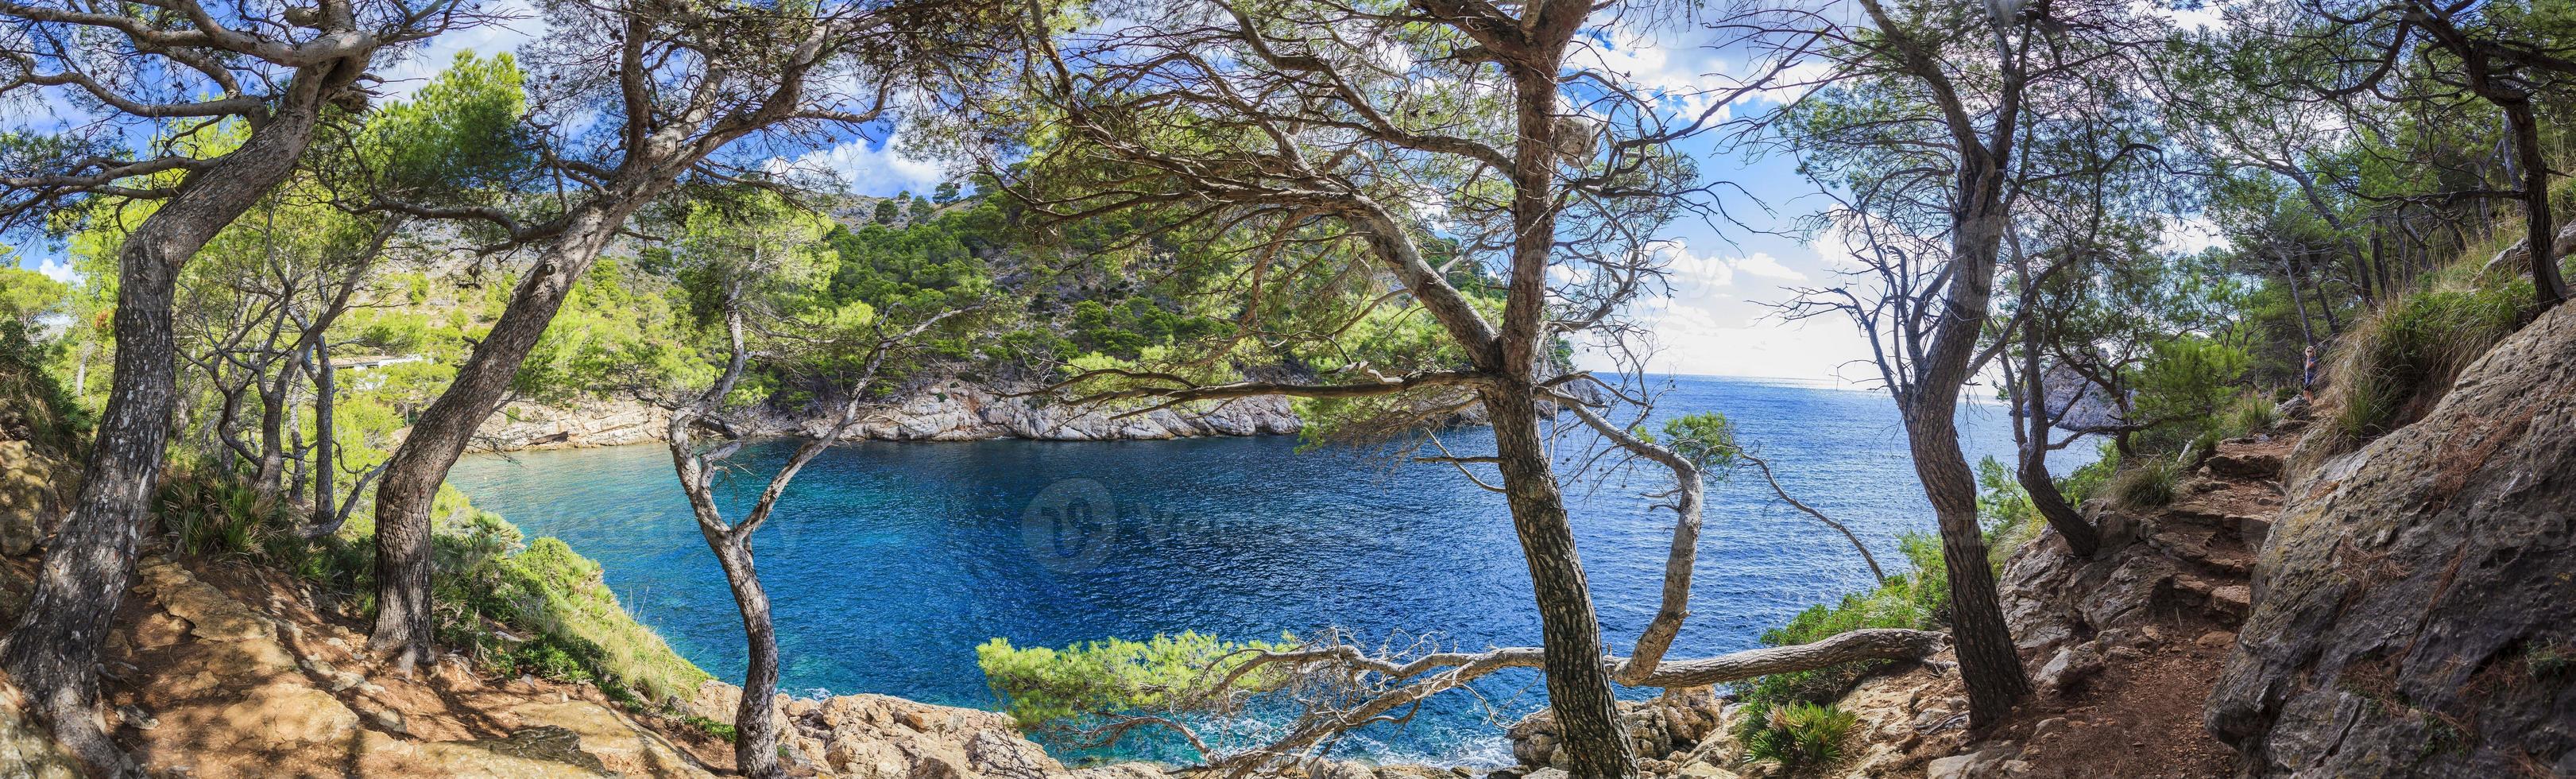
(52, 650)
(2036, 420)
(1987, 662)
(411, 477)
(2082, 539)
(1578, 685)
(2540, 236)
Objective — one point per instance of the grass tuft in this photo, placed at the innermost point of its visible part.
(2149, 484)
(2398, 360)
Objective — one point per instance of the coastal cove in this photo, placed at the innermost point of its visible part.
(889, 562)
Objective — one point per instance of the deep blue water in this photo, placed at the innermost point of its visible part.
(889, 562)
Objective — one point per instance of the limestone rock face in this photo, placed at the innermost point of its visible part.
(952, 410)
(589, 423)
(2186, 557)
(961, 411)
(26, 749)
(2414, 612)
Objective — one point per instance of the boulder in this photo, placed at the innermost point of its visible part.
(2070, 667)
(531, 753)
(884, 737)
(1118, 771)
(1657, 727)
(2246, 462)
(26, 748)
(277, 716)
(1952, 767)
(2411, 614)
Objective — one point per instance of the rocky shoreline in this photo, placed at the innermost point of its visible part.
(951, 410)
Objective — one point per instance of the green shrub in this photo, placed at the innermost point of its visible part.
(2004, 510)
(34, 405)
(717, 728)
(562, 622)
(2184, 385)
(215, 515)
(1917, 599)
(2088, 481)
(1799, 736)
(1059, 691)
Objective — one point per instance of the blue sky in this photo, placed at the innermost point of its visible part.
(1717, 319)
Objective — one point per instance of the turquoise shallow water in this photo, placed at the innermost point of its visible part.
(889, 562)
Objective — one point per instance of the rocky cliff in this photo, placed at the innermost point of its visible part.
(2415, 608)
(952, 410)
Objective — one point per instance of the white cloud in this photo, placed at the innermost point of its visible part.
(1704, 324)
(881, 169)
(59, 270)
(1684, 78)
(2191, 236)
(1692, 275)
(2201, 18)
(1700, 339)
(1767, 266)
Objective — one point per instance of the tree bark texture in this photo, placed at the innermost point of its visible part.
(1578, 685)
(2036, 420)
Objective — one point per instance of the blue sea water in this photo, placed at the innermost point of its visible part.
(887, 563)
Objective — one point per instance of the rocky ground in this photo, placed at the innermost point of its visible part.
(218, 669)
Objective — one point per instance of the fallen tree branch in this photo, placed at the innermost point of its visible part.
(1852, 647)
(1371, 685)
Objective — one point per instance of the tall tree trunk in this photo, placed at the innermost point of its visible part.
(2539, 235)
(51, 651)
(1578, 684)
(1987, 661)
(412, 476)
(755, 722)
(2379, 277)
(324, 427)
